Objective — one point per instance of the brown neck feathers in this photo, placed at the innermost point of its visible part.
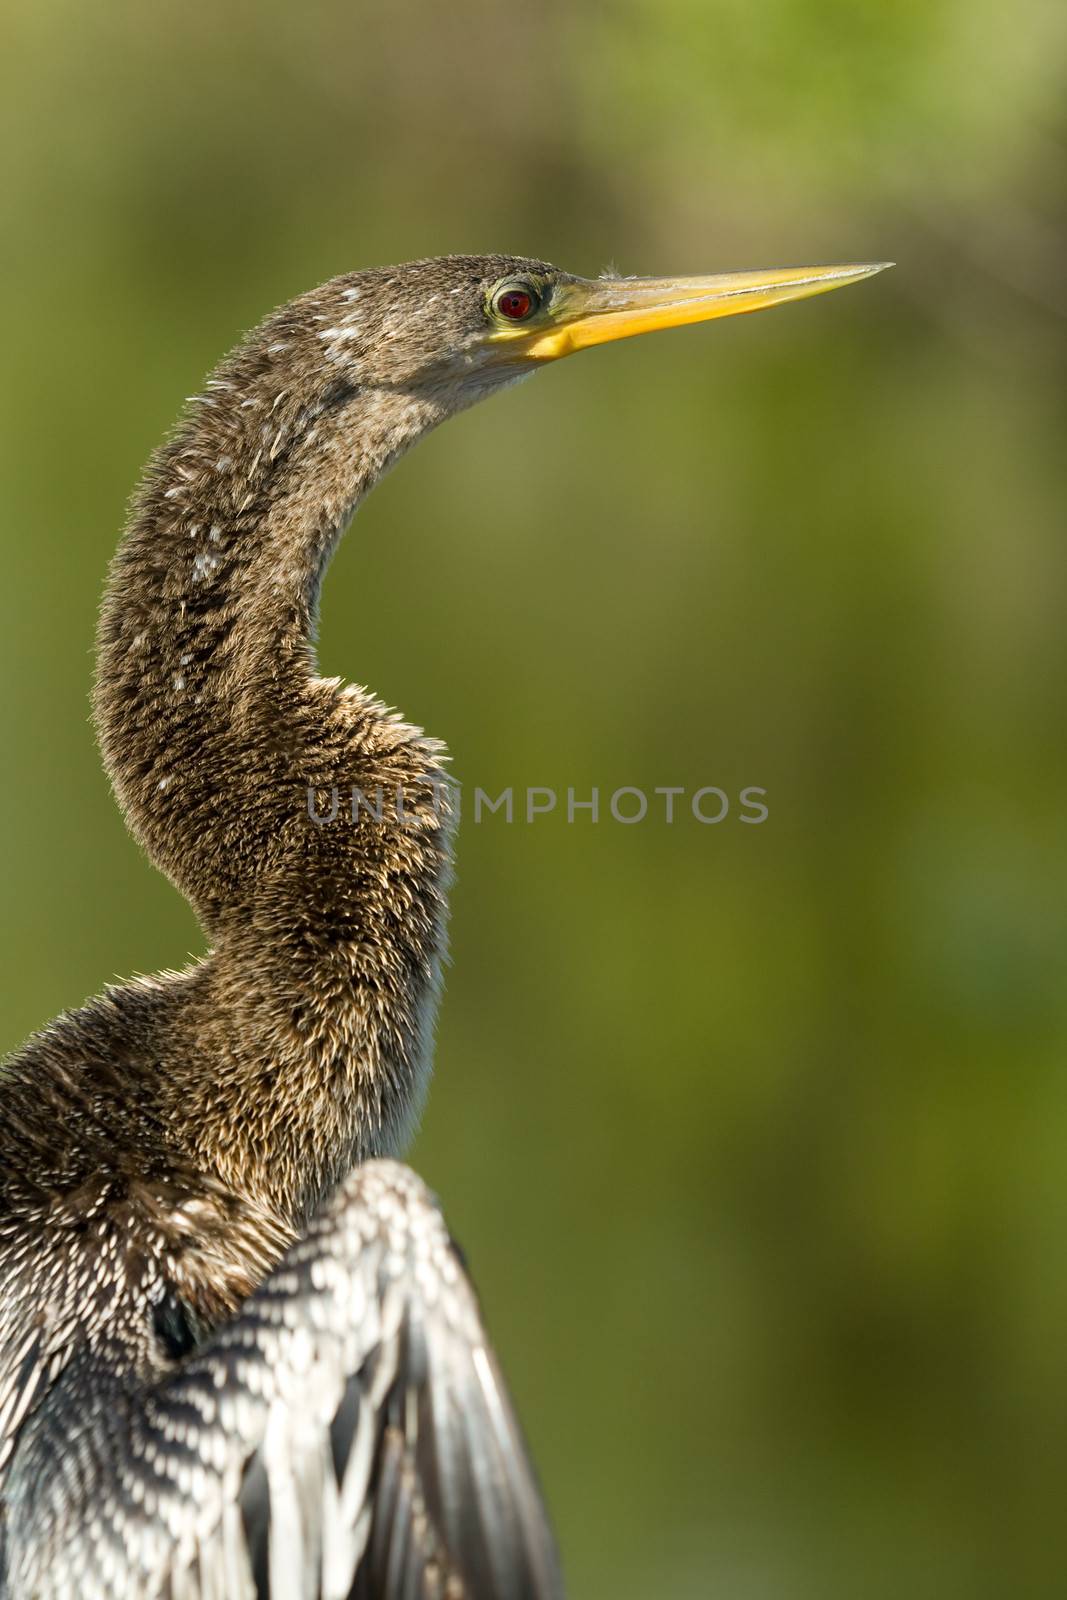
(303, 1040)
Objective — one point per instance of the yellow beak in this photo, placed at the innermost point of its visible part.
(586, 312)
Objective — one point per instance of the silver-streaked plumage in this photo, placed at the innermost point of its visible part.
(346, 1433)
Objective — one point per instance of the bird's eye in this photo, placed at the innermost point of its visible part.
(516, 301)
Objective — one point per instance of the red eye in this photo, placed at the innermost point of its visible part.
(514, 301)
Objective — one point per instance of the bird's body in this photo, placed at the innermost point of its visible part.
(238, 1352)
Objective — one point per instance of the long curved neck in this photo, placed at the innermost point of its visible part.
(205, 654)
(303, 1041)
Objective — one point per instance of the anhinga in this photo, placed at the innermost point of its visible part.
(239, 1354)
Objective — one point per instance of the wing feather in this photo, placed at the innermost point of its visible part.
(347, 1436)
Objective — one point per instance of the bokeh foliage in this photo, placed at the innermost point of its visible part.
(756, 1137)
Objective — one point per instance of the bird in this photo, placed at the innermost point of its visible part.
(240, 1353)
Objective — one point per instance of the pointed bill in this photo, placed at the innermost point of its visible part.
(593, 311)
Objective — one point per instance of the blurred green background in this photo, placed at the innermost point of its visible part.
(756, 1137)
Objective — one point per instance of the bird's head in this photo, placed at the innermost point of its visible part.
(461, 326)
